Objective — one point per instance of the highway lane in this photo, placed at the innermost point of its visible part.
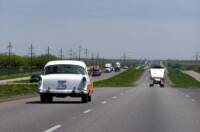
(135, 109)
(104, 76)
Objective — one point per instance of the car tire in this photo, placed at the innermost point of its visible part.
(50, 98)
(162, 85)
(84, 98)
(43, 98)
(151, 85)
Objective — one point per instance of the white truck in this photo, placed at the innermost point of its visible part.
(117, 66)
(108, 67)
(157, 76)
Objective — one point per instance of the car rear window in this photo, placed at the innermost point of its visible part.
(64, 69)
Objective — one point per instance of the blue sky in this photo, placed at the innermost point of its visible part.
(140, 28)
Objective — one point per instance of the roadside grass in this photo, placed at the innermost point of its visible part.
(13, 76)
(181, 80)
(15, 90)
(124, 79)
(22, 81)
(197, 69)
(5, 77)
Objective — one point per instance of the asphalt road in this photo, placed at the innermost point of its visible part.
(134, 109)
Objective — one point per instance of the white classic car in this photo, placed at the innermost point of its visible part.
(64, 78)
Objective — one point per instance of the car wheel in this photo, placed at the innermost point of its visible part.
(162, 85)
(84, 98)
(43, 98)
(50, 99)
(150, 85)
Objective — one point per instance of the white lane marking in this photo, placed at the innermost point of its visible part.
(193, 100)
(114, 97)
(121, 94)
(187, 96)
(53, 128)
(87, 111)
(104, 102)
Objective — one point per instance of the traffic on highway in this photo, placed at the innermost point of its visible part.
(99, 66)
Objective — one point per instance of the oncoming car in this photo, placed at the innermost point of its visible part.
(65, 78)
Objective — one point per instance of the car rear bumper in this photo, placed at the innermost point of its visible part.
(72, 93)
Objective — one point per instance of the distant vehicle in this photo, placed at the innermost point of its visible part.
(112, 69)
(108, 67)
(117, 66)
(125, 67)
(157, 76)
(65, 78)
(96, 70)
(35, 78)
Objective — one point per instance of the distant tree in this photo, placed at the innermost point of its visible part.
(40, 61)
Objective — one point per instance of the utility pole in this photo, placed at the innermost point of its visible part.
(79, 51)
(31, 57)
(124, 57)
(74, 54)
(196, 56)
(70, 54)
(97, 58)
(48, 53)
(9, 47)
(61, 54)
(92, 58)
(86, 53)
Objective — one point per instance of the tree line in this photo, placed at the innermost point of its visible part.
(16, 61)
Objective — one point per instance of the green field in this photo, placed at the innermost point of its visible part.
(181, 80)
(197, 69)
(124, 79)
(11, 91)
(4, 77)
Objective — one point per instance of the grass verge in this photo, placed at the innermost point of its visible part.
(5, 77)
(22, 81)
(124, 79)
(16, 90)
(181, 80)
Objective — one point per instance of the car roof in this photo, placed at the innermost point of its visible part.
(69, 62)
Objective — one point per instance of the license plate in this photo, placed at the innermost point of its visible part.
(61, 85)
